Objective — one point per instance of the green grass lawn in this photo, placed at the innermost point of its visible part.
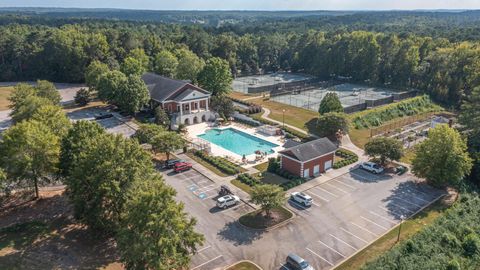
(4, 94)
(273, 179)
(386, 242)
(262, 167)
(258, 220)
(241, 186)
(243, 266)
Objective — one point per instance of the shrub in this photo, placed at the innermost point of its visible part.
(273, 165)
(248, 179)
(471, 244)
(348, 158)
(219, 162)
(82, 97)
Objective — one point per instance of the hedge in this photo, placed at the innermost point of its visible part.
(274, 167)
(252, 107)
(248, 180)
(219, 162)
(348, 158)
(378, 116)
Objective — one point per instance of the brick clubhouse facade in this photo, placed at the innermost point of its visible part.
(308, 159)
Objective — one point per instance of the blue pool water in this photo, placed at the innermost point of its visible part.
(237, 142)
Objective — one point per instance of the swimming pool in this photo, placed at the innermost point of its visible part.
(237, 142)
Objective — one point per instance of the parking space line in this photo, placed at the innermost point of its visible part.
(332, 249)
(362, 228)
(390, 211)
(331, 264)
(360, 176)
(338, 239)
(315, 204)
(337, 188)
(384, 218)
(326, 191)
(198, 266)
(409, 202)
(202, 249)
(299, 205)
(284, 266)
(412, 191)
(347, 185)
(373, 222)
(418, 190)
(361, 239)
(207, 187)
(318, 196)
(399, 206)
(203, 181)
(211, 196)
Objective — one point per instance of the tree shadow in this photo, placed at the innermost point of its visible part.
(362, 176)
(311, 126)
(407, 198)
(239, 235)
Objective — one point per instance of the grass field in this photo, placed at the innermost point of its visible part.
(386, 242)
(4, 94)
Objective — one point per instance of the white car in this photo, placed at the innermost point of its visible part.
(371, 167)
(301, 198)
(227, 201)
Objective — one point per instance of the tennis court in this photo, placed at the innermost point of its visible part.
(241, 84)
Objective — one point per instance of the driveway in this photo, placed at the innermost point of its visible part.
(349, 212)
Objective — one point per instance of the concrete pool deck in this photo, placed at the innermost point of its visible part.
(194, 130)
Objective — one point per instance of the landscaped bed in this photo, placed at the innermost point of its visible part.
(259, 220)
(245, 265)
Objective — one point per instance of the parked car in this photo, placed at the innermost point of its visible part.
(371, 167)
(301, 198)
(296, 262)
(181, 167)
(227, 201)
(101, 116)
(171, 162)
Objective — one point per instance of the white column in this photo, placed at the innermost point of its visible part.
(206, 103)
(198, 106)
(181, 109)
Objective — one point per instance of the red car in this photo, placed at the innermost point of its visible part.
(181, 167)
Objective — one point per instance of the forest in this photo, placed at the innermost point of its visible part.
(60, 49)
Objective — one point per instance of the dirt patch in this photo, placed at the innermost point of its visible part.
(42, 234)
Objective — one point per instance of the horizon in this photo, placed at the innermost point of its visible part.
(251, 5)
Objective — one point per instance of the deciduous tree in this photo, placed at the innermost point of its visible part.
(167, 142)
(384, 148)
(54, 118)
(161, 117)
(442, 158)
(268, 197)
(93, 73)
(109, 84)
(330, 103)
(166, 64)
(155, 232)
(30, 152)
(216, 76)
(146, 132)
(132, 96)
(329, 124)
(28, 107)
(222, 105)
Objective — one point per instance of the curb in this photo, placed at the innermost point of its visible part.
(394, 227)
(241, 262)
(270, 228)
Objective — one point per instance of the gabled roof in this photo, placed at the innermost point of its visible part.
(162, 88)
(290, 143)
(190, 94)
(310, 150)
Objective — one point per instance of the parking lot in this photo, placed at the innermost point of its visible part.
(349, 212)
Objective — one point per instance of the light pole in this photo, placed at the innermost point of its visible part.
(402, 218)
(283, 118)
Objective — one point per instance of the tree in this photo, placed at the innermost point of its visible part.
(54, 118)
(329, 124)
(470, 118)
(216, 76)
(161, 117)
(132, 95)
(20, 92)
(30, 152)
(141, 57)
(109, 83)
(166, 64)
(28, 107)
(93, 73)
(268, 197)
(442, 158)
(132, 66)
(223, 105)
(167, 142)
(384, 148)
(146, 132)
(330, 103)
(155, 232)
(46, 89)
(83, 97)
(82, 135)
(189, 65)
(99, 181)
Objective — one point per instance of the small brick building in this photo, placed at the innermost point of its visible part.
(308, 159)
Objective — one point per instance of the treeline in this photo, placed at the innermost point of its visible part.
(448, 71)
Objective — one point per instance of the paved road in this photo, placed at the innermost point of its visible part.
(349, 212)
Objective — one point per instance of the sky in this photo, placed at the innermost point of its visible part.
(250, 4)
